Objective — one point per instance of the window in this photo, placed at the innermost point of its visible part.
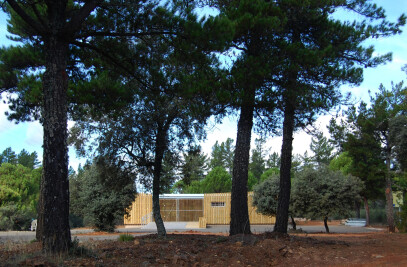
(217, 204)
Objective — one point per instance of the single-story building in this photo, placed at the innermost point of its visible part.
(205, 208)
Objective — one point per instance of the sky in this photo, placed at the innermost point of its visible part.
(29, 135)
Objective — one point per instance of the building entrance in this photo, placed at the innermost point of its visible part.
(181, 209)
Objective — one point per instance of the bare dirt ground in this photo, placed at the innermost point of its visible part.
(197, 249)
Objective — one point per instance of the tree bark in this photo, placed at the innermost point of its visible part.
(54, 231)
(40, 215)
(326, 224)
(53, 210)
(366, 203)
(285, 170)
(160, 146)
(389, 195)
(293, 223)
(357, 209)
(239, 215)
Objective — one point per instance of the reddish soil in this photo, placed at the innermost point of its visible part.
(196, 249)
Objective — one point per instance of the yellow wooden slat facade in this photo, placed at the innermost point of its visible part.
(254, 216)
(140, 208)
(216, 213)
(216, 210)
(220, 212)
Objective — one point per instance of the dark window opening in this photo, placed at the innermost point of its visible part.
(217, 204)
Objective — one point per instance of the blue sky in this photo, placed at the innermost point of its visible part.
(29, 135)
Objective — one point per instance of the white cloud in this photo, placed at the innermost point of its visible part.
(220, 133)
(74, 161)
(5, 124)
(301, 142)
(70, 124)
(401, 61)
(34, 134)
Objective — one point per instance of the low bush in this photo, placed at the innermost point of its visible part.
(126, 238)
(12, 218)
(377, 215)
(75, 221)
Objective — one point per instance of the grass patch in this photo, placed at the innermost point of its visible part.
(126, 238)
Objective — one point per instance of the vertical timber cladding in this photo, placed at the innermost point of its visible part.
(140, 209)
(254, 216)
(168, 210)
(217, 210)
(181, 207)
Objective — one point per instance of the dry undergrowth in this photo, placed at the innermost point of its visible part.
(194, 249)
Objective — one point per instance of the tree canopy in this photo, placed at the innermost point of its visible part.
(321, 193)
(101, 193)
(56, 36)
(218, 180)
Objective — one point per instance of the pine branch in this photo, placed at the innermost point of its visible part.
(79, 17)
(28, 19)
(112, 59)
(125, 34)
(37, 14)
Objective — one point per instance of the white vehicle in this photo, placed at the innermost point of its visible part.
(34, 225)
(355, 222)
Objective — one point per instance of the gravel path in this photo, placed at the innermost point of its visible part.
(26, 236)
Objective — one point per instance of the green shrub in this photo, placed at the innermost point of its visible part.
(12, 218)
(377, 215)
(100, 195)
(126, 238)
(75, 221)
(265, 197)
(6, 224)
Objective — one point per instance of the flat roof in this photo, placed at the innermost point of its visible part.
(182, 196)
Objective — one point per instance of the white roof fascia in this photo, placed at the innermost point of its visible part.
(182, 196)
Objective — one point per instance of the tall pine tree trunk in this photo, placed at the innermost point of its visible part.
(285, 170)
(389, 195)
(239, 215)
(366, 203)
(160, 146)
(326, 224)
(293, 223)
(290, 99)
(357, 209)
(40, 215)
(54, 231)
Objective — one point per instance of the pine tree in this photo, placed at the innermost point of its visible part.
(257, 165)
(56, 34)
(28, 160)
(386, 106)
(194, 166)
(273, 161)
(316, 51)
(8, 156)
(167, 110)
(254, 26)
(222, 155)
(322, 149)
